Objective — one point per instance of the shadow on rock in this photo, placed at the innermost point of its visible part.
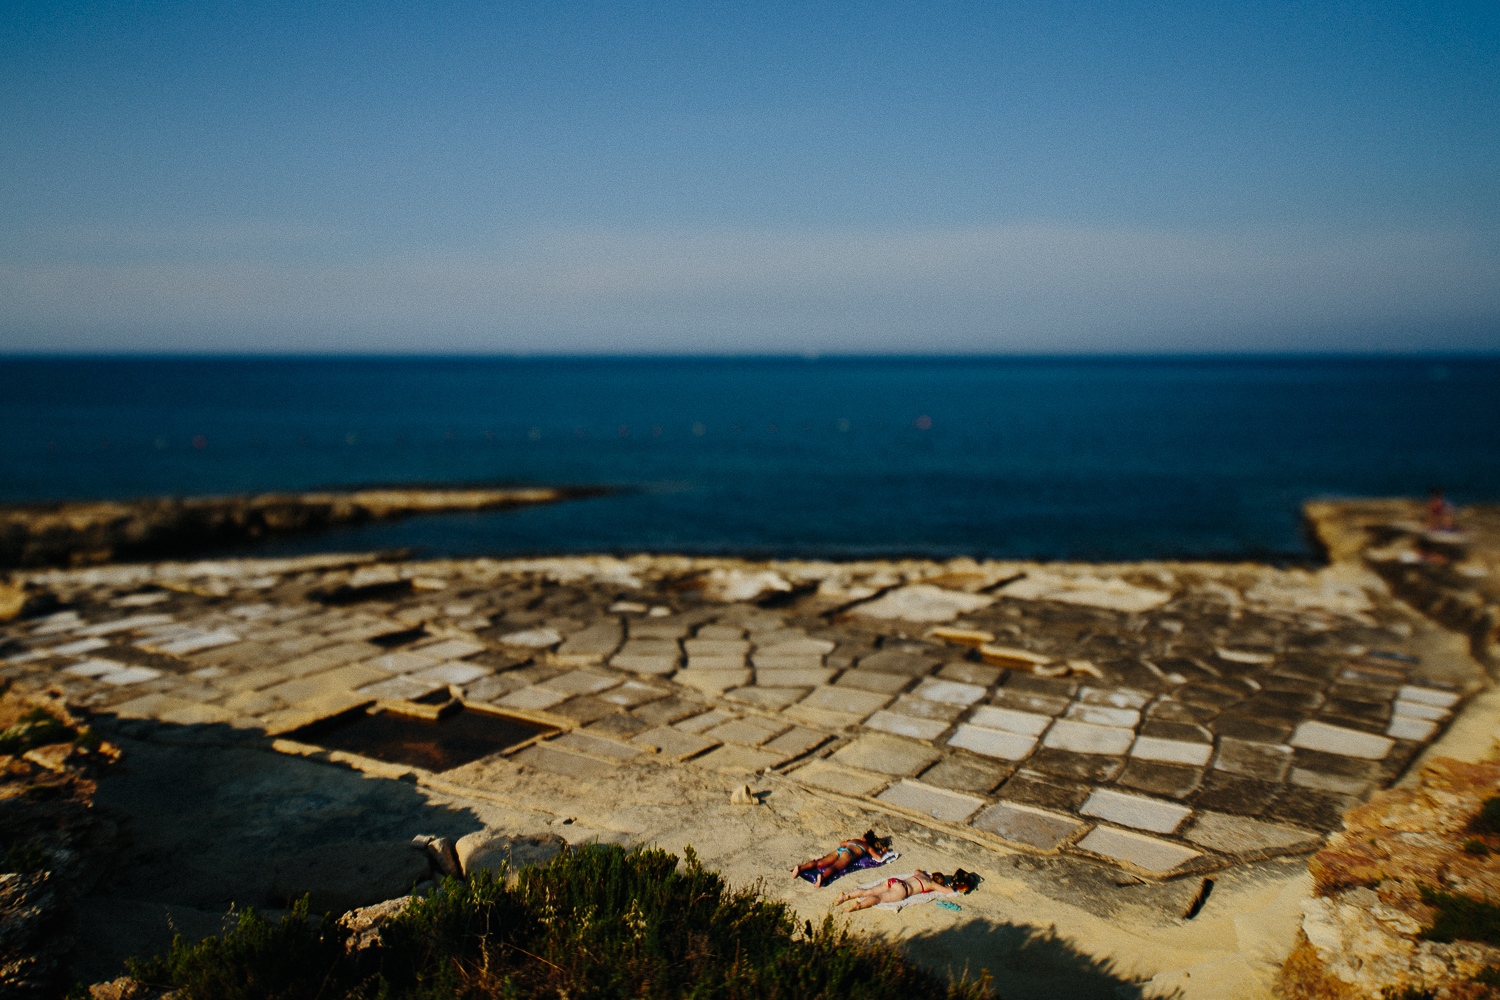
(213, 821)
(1027, 963)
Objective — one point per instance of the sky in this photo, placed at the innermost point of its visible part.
(714, 178)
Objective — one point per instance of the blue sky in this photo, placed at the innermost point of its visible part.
(707, 178)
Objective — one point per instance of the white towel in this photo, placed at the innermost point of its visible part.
(901, 904)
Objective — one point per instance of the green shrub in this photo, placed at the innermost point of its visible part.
(23, 859)
(1476, 846)
(598, 922)
(1488, 820)
(295, 958)
(37, 728)
(1461, 918)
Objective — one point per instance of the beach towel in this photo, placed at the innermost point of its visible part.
(864, 862)
(901, 904)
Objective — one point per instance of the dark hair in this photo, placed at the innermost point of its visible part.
(883, 843)
(960, 881)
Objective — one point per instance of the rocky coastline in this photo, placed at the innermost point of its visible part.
(95, 532)
(1110, 746)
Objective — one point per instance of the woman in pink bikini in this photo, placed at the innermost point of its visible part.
(845, 855)
(896, 889)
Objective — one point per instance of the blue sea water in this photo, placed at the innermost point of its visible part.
(1091, 458)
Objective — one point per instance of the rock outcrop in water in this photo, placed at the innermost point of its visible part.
(91, 532)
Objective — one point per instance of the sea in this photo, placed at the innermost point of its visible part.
(1092, 458)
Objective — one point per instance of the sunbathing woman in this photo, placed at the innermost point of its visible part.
(896, 889)
(845, 855)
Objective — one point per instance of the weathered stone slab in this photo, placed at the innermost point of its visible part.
(1010, 721)
(873, 680)
(1135, 811)
(197, 715)
(948, 692)
(970, 673)
(1266, 761)
(895, 661)
(763, 662)
(750, 732)
(326, 659)
(712, 682)
(1084, 737)
(658, 628)
(591, 645)
(906, 725)
(823, 774)
(534, 697)
(1128, 698)
(887, 755)
(1034, 788)
(401, 662)
(1314, 735)
(965, 774)
(939, 803)
(631, 693)
(194, 642)
(1103, 715)
(821, 717)
(922, 602)
(581, 682)
(803, 678)
(1094, 768)
(452, 649)
(921, 708)
(1085, 589)
(390, 689)
(598, 745)
(454, 672)
(666, 711)
(850, 701)
(532, 638)
(1176, 781)
(652, 665)
(992, 742)
(1418, 710)
(343, 679)
(1026, 701)
(583, 708)
(94, 667)
(618, 725)
(720, 633)
(770, 698)
(1428, 696)
(651, 647)
(734, 648)
(1171, 751)
(1324, 782)
(802, 646)
(1021, 824)
(1159, 857)
(795, 742)
(732, 759)
(1248, 838)
(673, 743)
(557, 761)
(1404, 728)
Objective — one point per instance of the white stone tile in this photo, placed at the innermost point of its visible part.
(905, 725)
(1337, 783)
(1427, 696)
(696, 662)
(94, 668)
(1417, 710)
(1335, 739)
(851, 701)
(532, 638)
(1171, 751)
(1404, 728)
(77, 648)
(1084, 737)
(1147, 853)
(992, 742)
(534, 697)
(1103, 715)
(717, 647)
(401, 663)
(795, 647)
(705, 721)
(712, 682)
(130, 675)
(656, 666)
(124, 624)
(792, 678)
(763, 662)
(453, 649)
(453, 672)
(1011, 721)
(401, 689)
(1114, 697)
(1134, 810)
(193, 643)
(1240, 835)
(1028, 825)
(948, 692)
(939, 803)
(581, 682)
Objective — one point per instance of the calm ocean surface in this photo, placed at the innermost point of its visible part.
(1076, 458)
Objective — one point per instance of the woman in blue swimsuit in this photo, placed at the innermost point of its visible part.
(845, 855)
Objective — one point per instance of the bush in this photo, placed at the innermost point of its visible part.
(599, 922)
(37, 728)
(1461, 918)
(1488, 820)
